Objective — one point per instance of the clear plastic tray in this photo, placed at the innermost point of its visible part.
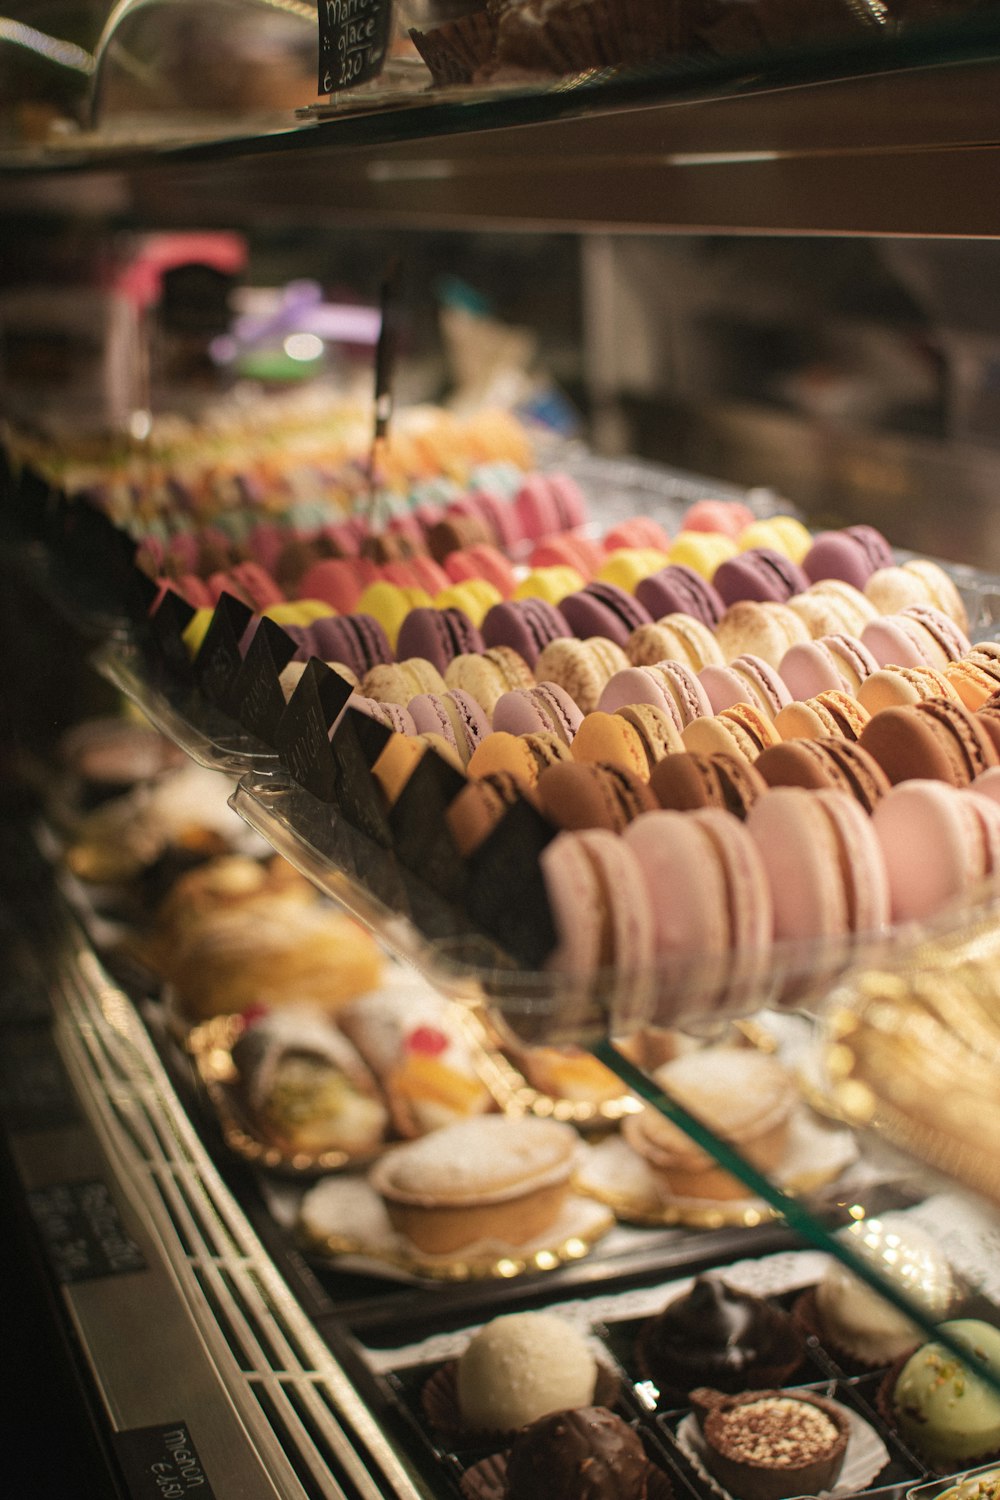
(205, 733)
(418, 927)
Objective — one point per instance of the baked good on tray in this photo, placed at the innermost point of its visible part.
(939, 1406)
(715, 1335)
(588, 1453)
(851, 1320)
(305, 1088)
(492, 1179)
(763, 1445)
(519, 1367)
(745, 1096)
(419, 1050)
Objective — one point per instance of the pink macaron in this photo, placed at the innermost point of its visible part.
(668, 685)
(830, 664)
(729, 517)
(600, 903)
(939, 843)
(824, 864)
(747, 679)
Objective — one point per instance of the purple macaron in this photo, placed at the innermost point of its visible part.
(603, 609)
(677, 590)
(438, 635)
(760, 574)
(851, 555)
(358, 641)
(526, 625)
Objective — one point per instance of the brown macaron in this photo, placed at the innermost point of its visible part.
(477, 809)
(829, 762)
(689, 780)
(937, 739)
(577, 795)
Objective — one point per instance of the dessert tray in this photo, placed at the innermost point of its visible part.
(374, 1246)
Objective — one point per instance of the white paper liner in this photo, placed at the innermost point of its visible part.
(865, 1457)
(817, 1153)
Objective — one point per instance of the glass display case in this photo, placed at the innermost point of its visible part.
(304, 1347)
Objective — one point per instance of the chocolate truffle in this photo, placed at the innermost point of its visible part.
(717, 1336)
(586, 1454)
(520, 1367)
(941, 1407)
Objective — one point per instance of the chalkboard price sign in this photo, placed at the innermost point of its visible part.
(353, 42)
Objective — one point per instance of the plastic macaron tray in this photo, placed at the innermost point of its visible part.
(672, 902)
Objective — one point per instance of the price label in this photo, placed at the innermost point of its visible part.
(162, 1463)
(353, 42)
(82, 1231)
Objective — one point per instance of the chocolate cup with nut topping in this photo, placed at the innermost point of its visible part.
(765, 1445)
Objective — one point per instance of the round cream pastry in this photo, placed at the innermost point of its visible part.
(522, 1366)
(856, 1318)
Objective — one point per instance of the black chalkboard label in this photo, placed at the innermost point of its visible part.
(167, 624)
(82, 1232)
(422, 838)
(506, 893)
(219, 659)
(162, 1463)
(256, 697)
(302, 737)
(353, 42)
(357, 792)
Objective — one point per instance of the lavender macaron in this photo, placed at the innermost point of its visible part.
(679, 590)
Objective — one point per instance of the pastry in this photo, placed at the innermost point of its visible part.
(305, 1088)
(437, 635)
(568, 1073)
(491, 1179)
(574, 795)
(674, 637)
(719, 1336)
(937, 1403)
(600, 904)
(852, 1319)
(785, 533)
(745, 1097)
(710, 898)
(289, 954)
(830, 763)
(852, 554)
(415, 1046)
(526, 625)
(586, 1454)
(981, 1485)
(545, 709)
(764, 1445)
(680, 589)
(521, 1366)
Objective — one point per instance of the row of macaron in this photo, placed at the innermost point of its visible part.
(588, 702)
(625, 559)
(927, 625)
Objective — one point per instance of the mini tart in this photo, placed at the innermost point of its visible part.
(746, 1097)
(937, 1406)
(487, 1179)
(763, 1445)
